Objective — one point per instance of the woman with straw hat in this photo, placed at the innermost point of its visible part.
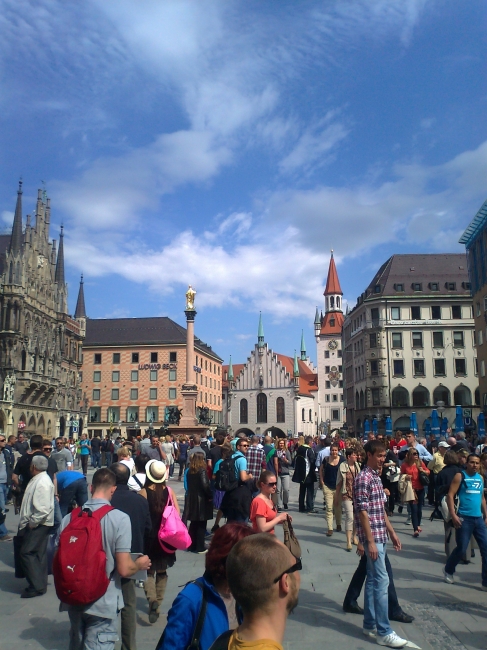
(157, 492)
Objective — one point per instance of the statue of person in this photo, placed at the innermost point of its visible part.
(13, 381)
(190, 294)
(6, 389)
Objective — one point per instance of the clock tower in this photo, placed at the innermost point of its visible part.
(328, 334)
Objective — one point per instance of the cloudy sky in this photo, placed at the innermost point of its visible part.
(232, 144)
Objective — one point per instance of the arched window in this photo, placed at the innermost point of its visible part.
(357, 400)
(261, 407)
(11, 273)
(441, 394)
(400, 397)
(362, 399)
(244, 411)
(302, 415)
(332, 302)
(280, 410)
(24, 359)
(462, 396)
(477, 397)
(310, 415)
(421, 396)
(338, 302)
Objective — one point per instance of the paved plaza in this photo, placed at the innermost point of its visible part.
(447, 616)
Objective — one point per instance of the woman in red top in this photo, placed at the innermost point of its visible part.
(263, 513)
(413, 467)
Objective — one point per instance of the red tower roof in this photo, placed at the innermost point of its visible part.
(332, 282)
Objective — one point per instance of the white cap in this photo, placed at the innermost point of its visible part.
(444, 444)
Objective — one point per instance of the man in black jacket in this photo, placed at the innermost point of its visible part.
(137, 508)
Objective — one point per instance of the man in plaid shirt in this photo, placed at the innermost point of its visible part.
(255, 458)
(373, 528)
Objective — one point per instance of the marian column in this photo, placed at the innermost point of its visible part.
(189, 389)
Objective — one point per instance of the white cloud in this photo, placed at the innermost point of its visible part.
(7, 217)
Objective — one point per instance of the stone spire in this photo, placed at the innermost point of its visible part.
(333, 291)
(16, 236)
(303, 347)
(230, 370)
(260, 333)
(296, 366)
(80, 304)
(59, 276)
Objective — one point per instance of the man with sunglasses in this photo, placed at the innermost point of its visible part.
(6, 468)
(264, 579)
(236, 503)
(62, 456)
(412, 443)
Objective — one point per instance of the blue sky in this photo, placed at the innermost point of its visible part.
(231, 144)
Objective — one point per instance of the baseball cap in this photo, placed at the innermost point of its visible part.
(443, 444)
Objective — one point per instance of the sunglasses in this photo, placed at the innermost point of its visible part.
(243, 445)
(417, 455)
(271, 484)
(296, 567)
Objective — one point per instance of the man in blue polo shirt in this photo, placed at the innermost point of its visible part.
(471, 517)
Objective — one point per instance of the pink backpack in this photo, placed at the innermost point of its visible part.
(173, 534)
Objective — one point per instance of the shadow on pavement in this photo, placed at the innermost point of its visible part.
(47, 632)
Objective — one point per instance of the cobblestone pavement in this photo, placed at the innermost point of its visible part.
(447, 616)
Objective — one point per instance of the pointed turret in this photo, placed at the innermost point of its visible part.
(333, 291)
(303, 347)
(260, 333)
(80, 311)
(59, 276)
(16, 236)
(230, 370)
(296, 366)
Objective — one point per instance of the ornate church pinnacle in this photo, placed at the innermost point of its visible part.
(230, 370)
(260, 333)
(59, 275)
(80, 304)
(296, 366)
(332, 281)
(16, 236)
(303, 347)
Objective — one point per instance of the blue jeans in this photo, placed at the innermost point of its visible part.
(417, 510)
(471, 526)
(376, 607)
(3, 499)
(108, 458)
(95, 459)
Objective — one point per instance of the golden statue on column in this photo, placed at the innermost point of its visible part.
(190, 294)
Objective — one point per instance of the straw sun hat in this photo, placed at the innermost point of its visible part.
(156, 471)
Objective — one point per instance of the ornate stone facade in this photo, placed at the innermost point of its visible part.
(40, 344)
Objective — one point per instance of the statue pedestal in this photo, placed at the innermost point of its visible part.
(188, 419)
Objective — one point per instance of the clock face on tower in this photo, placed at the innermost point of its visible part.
(333, 344)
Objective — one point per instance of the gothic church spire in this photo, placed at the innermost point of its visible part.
(80, 304)
(16, 236)
(59, 275)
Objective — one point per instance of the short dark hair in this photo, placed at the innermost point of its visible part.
(103, 478)
(221, 544)
(219, 439)
(472, 456)
(335, 444)
(140, 462)
(121, 472)
(450, 457)
(252, 565)
(36, 441)
(265, 475)
(349, 451)
(373, 446)
(196, 439)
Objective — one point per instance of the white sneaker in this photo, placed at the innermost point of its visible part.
(448, 577)
(391, 641)
(408, 521)
(371, 633)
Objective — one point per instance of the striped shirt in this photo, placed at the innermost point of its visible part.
(369, 496)
(255, 456)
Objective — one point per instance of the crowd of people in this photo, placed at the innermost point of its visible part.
(246, 483)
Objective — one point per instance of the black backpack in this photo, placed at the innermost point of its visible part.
(225, 478)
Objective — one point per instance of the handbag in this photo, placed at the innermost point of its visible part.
(424, 479)
(290, 539)
(393, 474)
(172, 534)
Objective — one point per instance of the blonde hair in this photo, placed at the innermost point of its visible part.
(124, 452)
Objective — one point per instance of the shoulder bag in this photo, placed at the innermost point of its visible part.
(173, 534)
(290, 539)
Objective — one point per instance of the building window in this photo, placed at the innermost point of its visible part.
(327, 369)
(261, 407)
(374, 368)
(173, 357)
(438, 339)
(152, 414)
(456, 312)
(132, 414)
(450, 286)
(327, 384)
(334, 398)
(397, 339)
(327, 397)
(436, 312)
(335, 414)
(116, 357)
(172, 375)
(153, 375)
(153, 357)
(377, 288)
(458, 340)
(417, 339)
(400, 397)
(339, 353)
(153, 393)
(115, 393)
(280, 410)
(418, 367)
(113, 414)
(135, 357)
(479, 312)
(134, 393)
(395, 313)
(115, 375)
(398, 366)
(482, 368)
(375, 397)
(244, 411)
(310, 416)
(327, 354)
(440, 368)
(95, 414)
(134, 375)
(417, 286)
(96, 394)
(172, 393)
(373, 340)
(374, 315)
(434, 286)
(480, 337)
(460, 367)
(399, 287)
(97, 359)
(415, 313)
(97, 376)
(303, 418)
